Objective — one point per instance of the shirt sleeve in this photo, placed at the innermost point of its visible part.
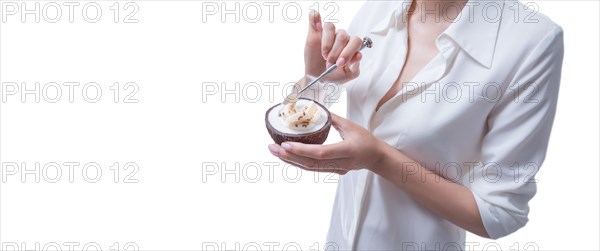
(516, 141)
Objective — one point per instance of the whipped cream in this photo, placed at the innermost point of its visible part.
(301, 117)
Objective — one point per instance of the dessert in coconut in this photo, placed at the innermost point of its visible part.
(304, 121)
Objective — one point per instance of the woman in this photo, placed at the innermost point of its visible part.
(448, 120)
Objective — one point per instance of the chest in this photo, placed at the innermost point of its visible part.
(440, 114)
(419, 50)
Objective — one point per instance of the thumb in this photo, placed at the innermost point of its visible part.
(354, 66)
(340, 124)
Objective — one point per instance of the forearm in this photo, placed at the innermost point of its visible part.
(451, 201)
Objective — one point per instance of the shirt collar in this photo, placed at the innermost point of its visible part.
(392, 18)
(475, 32)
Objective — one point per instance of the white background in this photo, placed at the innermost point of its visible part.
(198, 153)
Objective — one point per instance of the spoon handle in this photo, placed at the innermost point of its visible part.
(293, 97)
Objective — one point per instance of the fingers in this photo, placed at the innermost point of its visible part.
(320, 152)
(341, 41)
(320, 169)
(309, 164)
(353, 68)
(340, 48)
(314, 63)
(327, 39)
(349, 51)
(356, 59)
(314, 21)
(315, 29)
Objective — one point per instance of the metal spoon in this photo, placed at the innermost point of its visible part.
(293, 97)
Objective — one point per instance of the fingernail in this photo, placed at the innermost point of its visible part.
(286, 146)
(274, 149)
(340, 62)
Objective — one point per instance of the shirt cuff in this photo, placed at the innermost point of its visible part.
(497, 222)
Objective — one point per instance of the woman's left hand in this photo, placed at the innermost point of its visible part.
(358, 150)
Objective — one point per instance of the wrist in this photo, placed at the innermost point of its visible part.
(381, 155)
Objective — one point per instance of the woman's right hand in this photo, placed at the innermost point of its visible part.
(325, 46)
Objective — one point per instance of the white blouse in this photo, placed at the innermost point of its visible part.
(479, 114)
